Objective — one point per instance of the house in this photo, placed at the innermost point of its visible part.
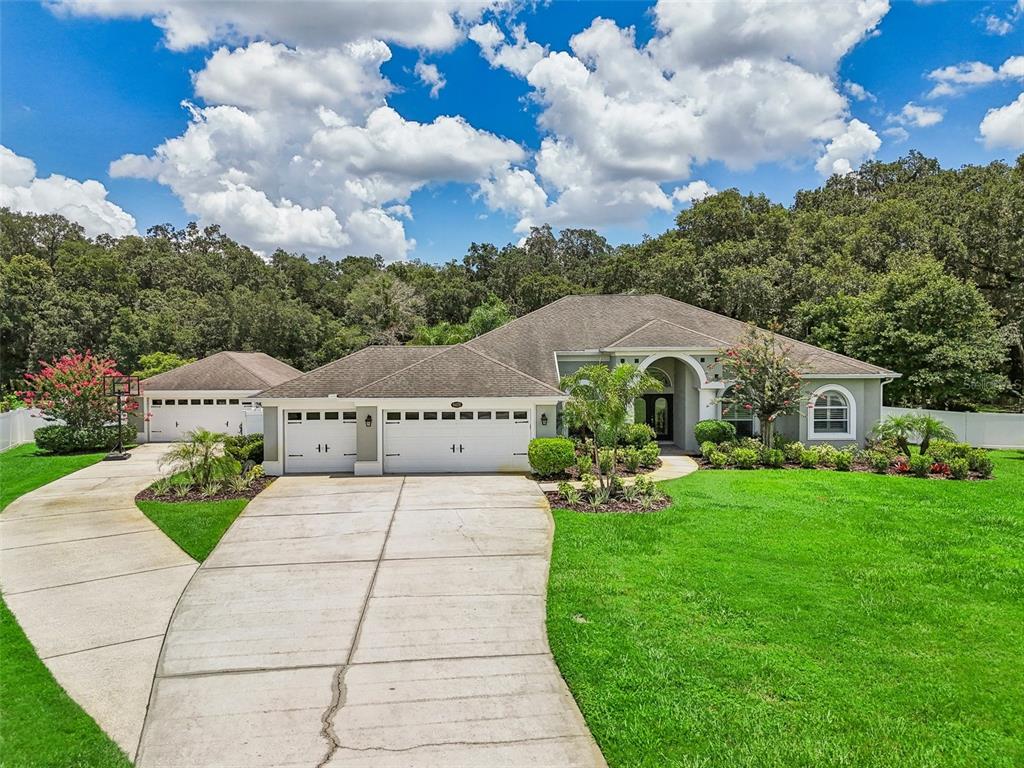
(474, 407)
(215, 393)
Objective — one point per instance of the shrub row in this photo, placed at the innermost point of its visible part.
(57, 438)
(551, 456)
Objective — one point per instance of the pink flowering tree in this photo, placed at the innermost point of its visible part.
(767, 383)
(70, 388)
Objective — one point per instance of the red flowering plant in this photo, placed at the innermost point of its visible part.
(766, 383)
(70, 388)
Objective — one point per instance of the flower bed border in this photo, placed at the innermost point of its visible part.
(259, 484)
(857, 466)
(613, 507)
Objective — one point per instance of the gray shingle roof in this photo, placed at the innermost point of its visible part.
(577, 323)
(518, 359)
(239, 371)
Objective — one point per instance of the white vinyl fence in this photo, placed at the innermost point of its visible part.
(19, 426)
(988, 430)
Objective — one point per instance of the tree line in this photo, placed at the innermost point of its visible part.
(904, 264)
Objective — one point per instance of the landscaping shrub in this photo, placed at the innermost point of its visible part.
(631, 458)
(919, 465)
(939, 468)
(946, 451)
(551, 455)
(589, 484)
(637, 435)
(718, 459)
(794, 451)
(606, 460)
(750, 443)
(57, 438)
(584, 463)
(959, 468)
(809, 458)
(715, 430)
(773, 457)
(880, 461)
(980, 462)
(570, 493)
(706, 448)
(843, 461)
(649, 455)
(245, 448)
(202, 459)
(827, 455)
(745, 458)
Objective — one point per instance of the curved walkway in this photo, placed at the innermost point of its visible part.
(93, 584)
(378, 622)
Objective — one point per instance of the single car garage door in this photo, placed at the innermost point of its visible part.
(319, 441)
(172, 419)
(456, 441)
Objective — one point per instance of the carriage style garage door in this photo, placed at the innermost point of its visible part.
(456, 441)
(173, 419)
(319, 441)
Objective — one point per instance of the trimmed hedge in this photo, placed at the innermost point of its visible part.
(58, 438)
(245, 448)
(715, 431)
(638, 435)
(551, 455)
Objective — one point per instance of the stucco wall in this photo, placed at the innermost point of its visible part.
(867, 394)
(271, 440)
(551, 428)
(366, 437)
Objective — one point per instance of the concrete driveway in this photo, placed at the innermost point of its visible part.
(370, 622)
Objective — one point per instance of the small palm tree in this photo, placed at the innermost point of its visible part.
(929, 428)
(202, 458)
(899, 429)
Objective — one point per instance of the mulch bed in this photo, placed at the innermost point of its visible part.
(614, 506)
(856, 467)
(573, 473)
(195, 495)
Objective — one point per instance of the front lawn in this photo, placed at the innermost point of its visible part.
(195, 526)
(23, 469)
(39, 723)
(771, 618)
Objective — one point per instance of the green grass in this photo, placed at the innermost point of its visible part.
(22, 469)
(195, 526)
(40, 725)
(799, 618)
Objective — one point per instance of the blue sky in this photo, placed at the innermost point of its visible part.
(80, 91)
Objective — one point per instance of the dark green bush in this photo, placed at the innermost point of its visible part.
(880, 461)
(715, 430)
(945, 451)
(919, 465)
(773, 457)
(57, 438)
(843, 461)
(649, 455)
(551, 455)
(638, 435)
(980, 462)
(245, 448)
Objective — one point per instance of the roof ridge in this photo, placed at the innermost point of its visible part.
(447, 348)
(775, 333)
(233, 356)
(511, 368)
(667, 322)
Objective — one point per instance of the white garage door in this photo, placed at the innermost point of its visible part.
(456, 441)
(319, 441)
(173, 419)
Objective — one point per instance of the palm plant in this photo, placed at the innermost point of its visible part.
(202, 458)
(897, 429)
(929, 428)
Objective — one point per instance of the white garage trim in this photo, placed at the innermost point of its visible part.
(319, 440)
(171, 414)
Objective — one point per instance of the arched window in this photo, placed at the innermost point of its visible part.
(832, 414)
(739, 417)
(662, 377)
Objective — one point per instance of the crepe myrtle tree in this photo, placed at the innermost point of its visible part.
(70, 388)
(599, 400)
(767, 383)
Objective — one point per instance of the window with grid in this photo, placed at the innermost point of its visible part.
(831, 413)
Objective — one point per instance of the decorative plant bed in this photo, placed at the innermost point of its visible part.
(573, 473)
(612, 506)
(197, 494)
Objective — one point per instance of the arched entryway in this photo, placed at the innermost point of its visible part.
(655, 407)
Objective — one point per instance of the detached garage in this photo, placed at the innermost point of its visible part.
(401, 410)
(215, 393)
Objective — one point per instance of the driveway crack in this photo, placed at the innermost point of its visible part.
(339, 689)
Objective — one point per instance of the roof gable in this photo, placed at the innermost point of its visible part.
(235, 371)
(661, 334)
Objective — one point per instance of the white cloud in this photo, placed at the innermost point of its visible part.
(997, 25)
(84, 202)
(897, 133)
(858, 91)
(849, 149)
(429, 75)
(957, 78)
(916, 116)
(737, 83)
(694, 192)
(307, 156)
(1004, 126)
(426, 24)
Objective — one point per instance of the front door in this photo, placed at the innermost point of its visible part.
(658, 415)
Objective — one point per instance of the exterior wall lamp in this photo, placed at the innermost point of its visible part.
(544, 419)
(369, 420)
